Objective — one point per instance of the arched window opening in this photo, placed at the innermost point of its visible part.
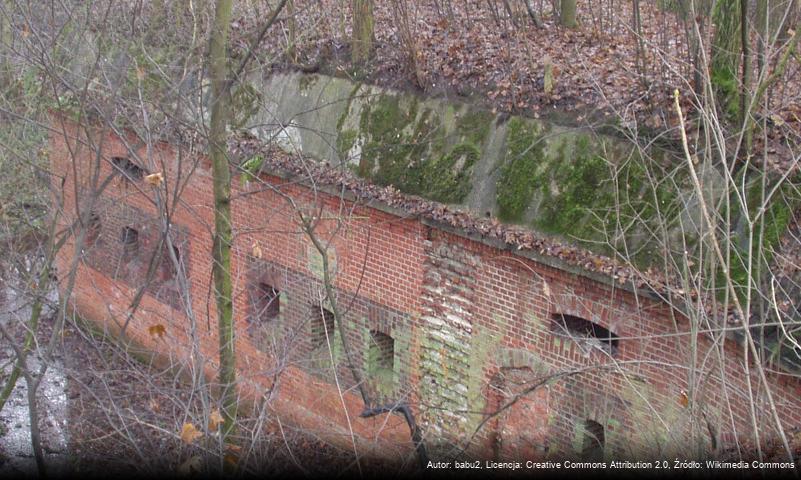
(266, 303)
(130, 241)
(128, 168)
(586, 332)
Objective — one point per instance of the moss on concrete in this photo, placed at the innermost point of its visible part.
(345, 141)
(520, 176)
(415, 149)
(587, 188)
(447, 179)
(773, 224)
(572, 189)
(245, 102)
(306, 82)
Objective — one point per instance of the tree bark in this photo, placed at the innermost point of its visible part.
(221, 179)
(745, 87)
(6, 37)
(292, 27)
(567, 16)
(726, 51)
(362, 40)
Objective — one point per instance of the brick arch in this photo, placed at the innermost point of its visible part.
(576, 400)
(521, 429)
(520, 358)
(573, 303)
(261, 272)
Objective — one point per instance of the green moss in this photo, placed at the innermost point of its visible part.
(245, 102)
(578, 194)
(251, 169)
(724, 81)
(583, 185)
(773, 224)
(646, 199)
(385, 146)
(345, 141)
(448, 179)
(725, 58)
(572, 181)
(414, 148)
(519, 179)
(474, 126)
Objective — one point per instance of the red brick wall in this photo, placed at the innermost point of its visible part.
(472, 324)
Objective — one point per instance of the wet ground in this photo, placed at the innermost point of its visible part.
(16, 452)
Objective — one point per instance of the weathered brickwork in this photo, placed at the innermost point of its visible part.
(454, 327)
(448, 293)
(123, 243)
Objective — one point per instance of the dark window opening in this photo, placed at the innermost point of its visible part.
(592, 445)
(128, 168)
(130, 241)
(93, 229)
(587, 332)
(381, 355)
(267, 303)
(322, 326)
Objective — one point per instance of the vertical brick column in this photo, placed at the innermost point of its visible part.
(447, 308)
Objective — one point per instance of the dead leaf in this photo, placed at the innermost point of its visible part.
(777, 120)
(232, 454)
(192, 465)
(256, 249)
(157, 330)
(155, 179)
(684, 400)
(231, 459)
(189, 433)
(215, 419)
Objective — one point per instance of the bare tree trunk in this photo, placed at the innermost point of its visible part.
(763, 33)
(567, 15)
(292, 26)
(6, 39)
(362, 41)
(637, 30)
(745, 95)
(221, 178)
(534, 16)
(726, 52)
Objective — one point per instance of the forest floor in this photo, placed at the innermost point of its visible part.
(604, 73)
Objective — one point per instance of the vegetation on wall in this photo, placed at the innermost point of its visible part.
(417, 149)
